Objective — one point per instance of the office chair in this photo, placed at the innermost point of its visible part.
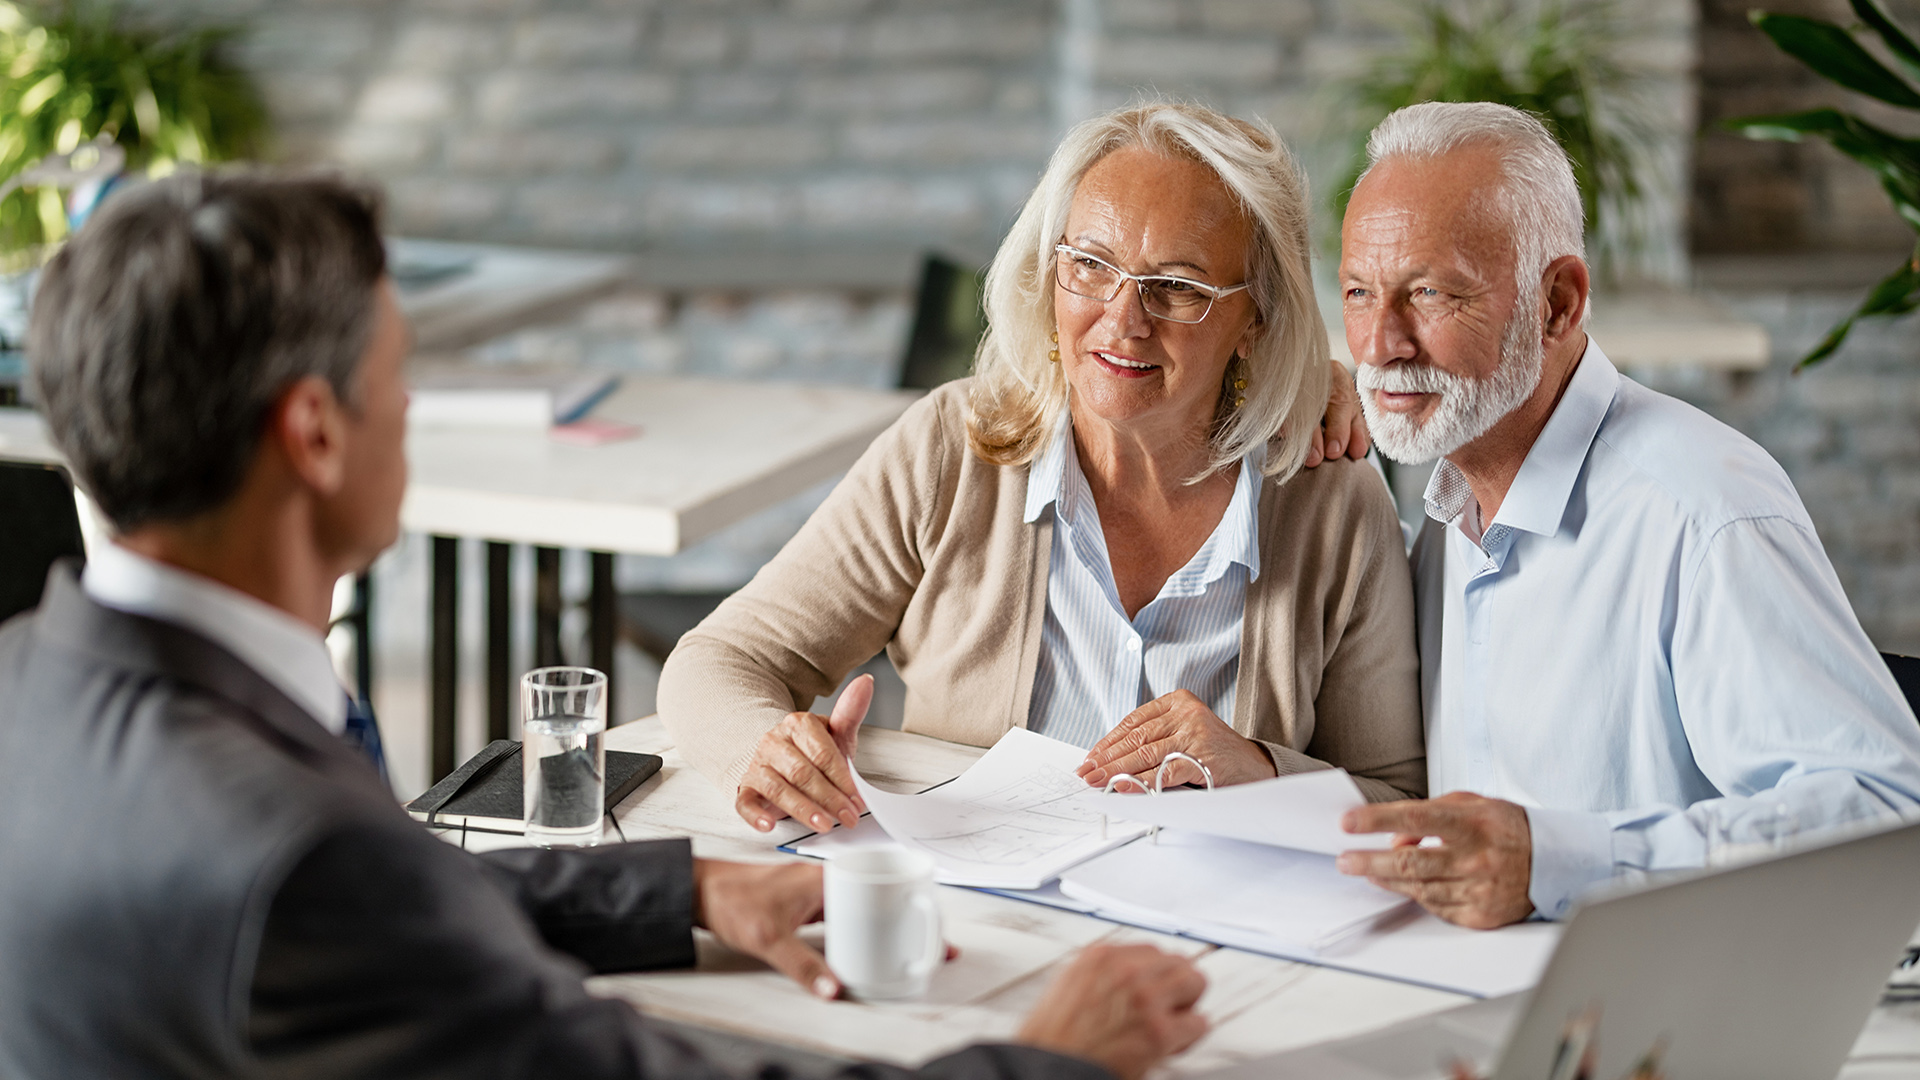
(38, 524)
(1906, 672)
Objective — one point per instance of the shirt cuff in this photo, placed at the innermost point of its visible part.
(1572, 851)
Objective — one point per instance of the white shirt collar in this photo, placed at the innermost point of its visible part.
(285, 651)
(1239, 529)
(1538, 497)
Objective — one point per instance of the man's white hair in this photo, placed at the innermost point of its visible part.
(1540, 201)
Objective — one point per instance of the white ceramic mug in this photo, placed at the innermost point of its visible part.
(883, 925)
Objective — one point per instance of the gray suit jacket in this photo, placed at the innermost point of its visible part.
(198, 880)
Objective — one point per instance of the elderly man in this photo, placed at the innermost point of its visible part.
(202, 873)
(1635, 656)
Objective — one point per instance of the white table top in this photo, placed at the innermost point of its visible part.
(1010, 951)
(709, 453)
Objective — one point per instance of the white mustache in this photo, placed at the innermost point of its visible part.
(1407, 377)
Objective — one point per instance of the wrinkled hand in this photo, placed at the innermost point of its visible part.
(1126, 1007)
(1344, 428)
(1478, 875)
(1177, 721)
(801, 768)
(758, 909)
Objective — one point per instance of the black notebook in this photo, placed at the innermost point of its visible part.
(485, 793)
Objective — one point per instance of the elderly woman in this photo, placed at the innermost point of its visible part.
(1105, 535)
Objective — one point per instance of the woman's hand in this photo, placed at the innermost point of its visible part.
(1177, 721)
(1344, 428)
(802, 768)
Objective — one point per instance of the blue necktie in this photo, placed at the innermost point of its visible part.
(363, 733)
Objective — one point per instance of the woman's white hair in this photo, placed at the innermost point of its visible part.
(1018, 394)
(1539, 198)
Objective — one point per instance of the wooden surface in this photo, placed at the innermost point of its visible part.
(1010, 951)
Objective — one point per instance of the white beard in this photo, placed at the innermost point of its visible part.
(1468, 407)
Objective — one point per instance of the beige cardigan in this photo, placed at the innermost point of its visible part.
(921, 550)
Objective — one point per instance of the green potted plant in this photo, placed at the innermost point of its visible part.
(1836, 54)
(1546, 57)
(77, 70)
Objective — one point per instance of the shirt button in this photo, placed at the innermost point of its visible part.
(1133, 644)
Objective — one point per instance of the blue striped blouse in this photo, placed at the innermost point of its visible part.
(1096, 665)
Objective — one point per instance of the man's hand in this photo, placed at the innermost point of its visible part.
(1122, 1006)
(1344, 428)
(801, 768)
(758, 909)
(1477, 877)
(1177, 721)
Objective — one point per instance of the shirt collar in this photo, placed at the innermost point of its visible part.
(283, 650)
(1238, 531)
(1537, 500)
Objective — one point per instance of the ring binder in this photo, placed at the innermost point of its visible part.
(1159, 782)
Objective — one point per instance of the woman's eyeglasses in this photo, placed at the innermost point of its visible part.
(1164, 296)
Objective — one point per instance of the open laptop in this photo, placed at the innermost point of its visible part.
(1762, 970)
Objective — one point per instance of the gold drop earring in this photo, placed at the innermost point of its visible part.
(1240, 382)
(1053, 355)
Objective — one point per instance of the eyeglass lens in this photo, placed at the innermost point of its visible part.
(1164, 297)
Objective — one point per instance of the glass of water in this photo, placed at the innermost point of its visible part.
(563, 716)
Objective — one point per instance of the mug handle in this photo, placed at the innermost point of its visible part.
(936, 950)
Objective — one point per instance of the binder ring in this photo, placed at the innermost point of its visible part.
(1160, 774)
(1160, 778)
(1108, 790)
(1159, 783)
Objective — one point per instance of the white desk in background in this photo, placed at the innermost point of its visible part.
(709, 453)
(1010, 951)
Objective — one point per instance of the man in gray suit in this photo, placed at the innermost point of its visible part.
(202, 873)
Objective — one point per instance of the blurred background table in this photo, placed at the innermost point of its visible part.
(707, 453)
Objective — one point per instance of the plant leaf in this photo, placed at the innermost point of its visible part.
(1897, 294)
(1834, 54)
(1895, 160)
(1898, 43)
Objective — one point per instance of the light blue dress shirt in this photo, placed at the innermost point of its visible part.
(1096, 665)
(1648, 649)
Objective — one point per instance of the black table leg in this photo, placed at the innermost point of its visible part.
(603, 625)
(445, 648)
(546, 607)
(499, 638)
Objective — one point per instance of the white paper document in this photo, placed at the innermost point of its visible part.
(1300, 811)
(1191, 883)
(1014, 820)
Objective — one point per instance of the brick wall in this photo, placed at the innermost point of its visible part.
(755, 123)
(614, 125)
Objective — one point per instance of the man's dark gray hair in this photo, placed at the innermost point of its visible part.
(165, 330)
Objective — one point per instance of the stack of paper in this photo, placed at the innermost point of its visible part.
(1014, 820)
(1255, 858)
(504, 398)
(1249, 866)
(1205, 886)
